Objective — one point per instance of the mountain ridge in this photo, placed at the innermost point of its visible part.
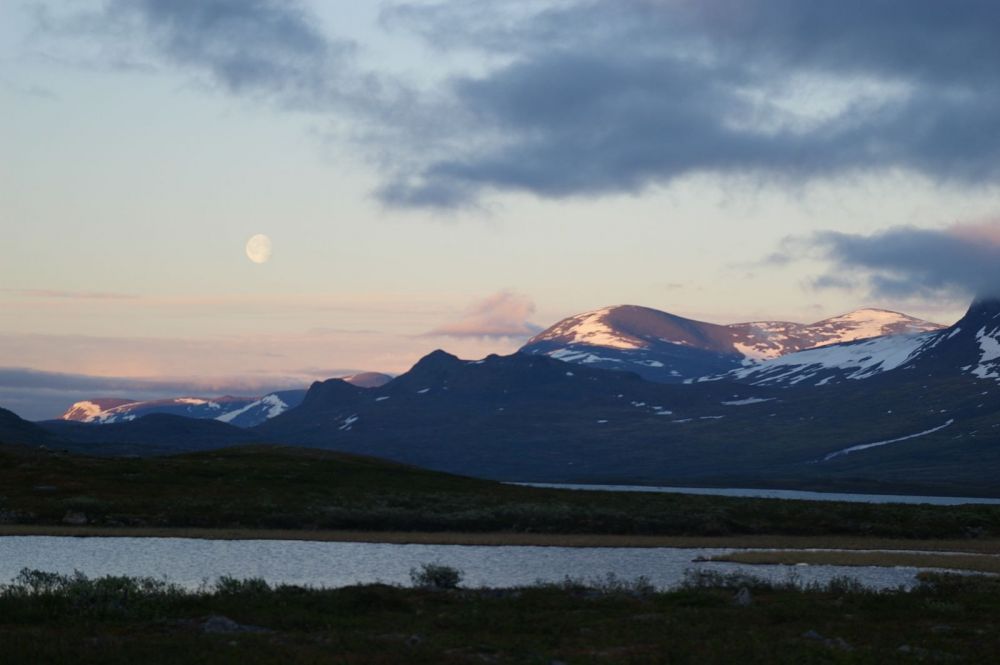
(669, 348)
(233, 410)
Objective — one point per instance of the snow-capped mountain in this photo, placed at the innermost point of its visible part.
(240, 411)
(771, 339)
(836, 362)
(970, 347)
(90, 410)
(664, 347)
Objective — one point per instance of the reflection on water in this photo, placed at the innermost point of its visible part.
(189, 562)
(775, 494)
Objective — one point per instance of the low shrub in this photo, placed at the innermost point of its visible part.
(435, 576)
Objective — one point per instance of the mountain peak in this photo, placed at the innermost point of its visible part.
(89, 410)
(592, 328)
(983, 308)
(665, 347)
(437, 358)
(869, 322)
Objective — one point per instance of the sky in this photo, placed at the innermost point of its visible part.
(460, 174)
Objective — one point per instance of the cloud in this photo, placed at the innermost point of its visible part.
(600, 97)
(260, 48)
(603, 97)
(503, 314)
(957, 262)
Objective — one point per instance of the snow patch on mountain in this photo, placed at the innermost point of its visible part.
(581, 357)
(194, 401)
(747, 401)
(85, 411)
(853, 360)
(591, 328)
(876, 444)
(989, 350)
(271, 405)
(88, 411)
(866, 323)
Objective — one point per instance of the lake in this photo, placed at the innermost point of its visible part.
(776, 494)
(189, 562)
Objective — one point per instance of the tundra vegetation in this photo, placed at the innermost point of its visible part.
(711, 618)
(306, 493)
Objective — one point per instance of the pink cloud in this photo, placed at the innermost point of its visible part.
(503, 314)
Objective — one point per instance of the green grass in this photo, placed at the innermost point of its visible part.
(48, 619)
(296, 489)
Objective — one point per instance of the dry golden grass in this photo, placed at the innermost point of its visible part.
(985, 546)
(979, 563)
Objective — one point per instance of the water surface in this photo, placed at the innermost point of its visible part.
(190, 562)
(776, 494)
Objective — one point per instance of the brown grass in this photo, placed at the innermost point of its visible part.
(985, 546)
(968, 562)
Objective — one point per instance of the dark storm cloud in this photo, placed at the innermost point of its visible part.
(600, 97)
(603, 97)
(921, 40)
(962, 260)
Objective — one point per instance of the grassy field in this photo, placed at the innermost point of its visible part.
(47, 619)
(255, 489)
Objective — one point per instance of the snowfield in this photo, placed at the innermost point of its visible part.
(853, 360)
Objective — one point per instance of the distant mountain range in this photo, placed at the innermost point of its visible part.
(916, 412)
(238, 411)
(672, 349)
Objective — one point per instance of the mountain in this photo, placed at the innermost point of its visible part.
(239, 411)
(917, 413)
(667, 348)
(262, 409)
(16, 430)
(927, 429)
(155, 433)
(970, 347)
(106, 411)
(513, 417)
(92, 410)
(771, 339)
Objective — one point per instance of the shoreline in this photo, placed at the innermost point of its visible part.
(762, 541)
(965, 562)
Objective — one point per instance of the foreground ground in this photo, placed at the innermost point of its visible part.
(45, 619)
(308, 493)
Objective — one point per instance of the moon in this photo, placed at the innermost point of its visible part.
(259, 248)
